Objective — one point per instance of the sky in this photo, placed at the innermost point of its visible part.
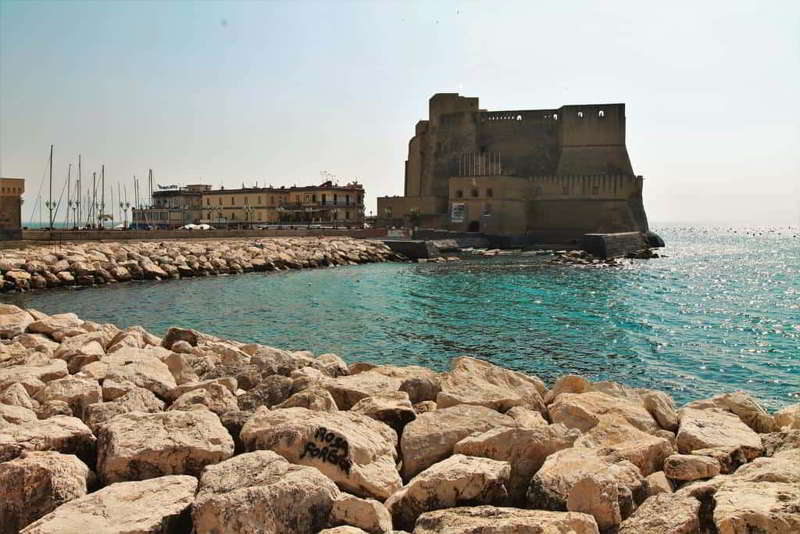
(226, 93)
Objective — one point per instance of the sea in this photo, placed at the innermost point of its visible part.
(718, 312)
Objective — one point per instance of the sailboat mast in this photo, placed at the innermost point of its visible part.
(69, 191)
(103, 195)
(78, 220)
(50, 203)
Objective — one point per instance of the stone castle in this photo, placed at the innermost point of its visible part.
(546, 175)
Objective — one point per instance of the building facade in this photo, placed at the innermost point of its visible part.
(324, 205)
(548, 174)
(11, 190)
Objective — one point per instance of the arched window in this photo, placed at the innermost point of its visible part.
(580, 114)
(555, 116)
(489, 192)
(601, 113)
(474, 193)
(519, 117)
(459, 194)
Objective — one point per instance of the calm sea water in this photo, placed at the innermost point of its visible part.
(721, 312)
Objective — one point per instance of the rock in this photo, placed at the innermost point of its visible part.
(37, 483)
(421, 383)
(262, 492)
(688, 467)
(13, 320)
(728, 458)
(425, 406)
(78, 393)
(159, 505)
(16, 414)
(455, 481)
(353, 450)
(215, 397)
(492, 520)
(33, 373)
(780, 441)
(136, 367)
(174, 335)
(657, 483)
(181, 347)
(54, 323)
(788, 417)
(181, 368)
(742, 405)
(138, 446)
(526, 417)
(584, 480)
(708, 428)
(567, 384)
(524, 448)
(431, 437)
(617, 439)
(662, 514)
(135, 400)
(368, 515)
(661, 407)
(348, 390)
(584, 410)
(17, 395)
(332, 365)
(343, 530)
(52, 408)
(271, 391)
(67, 435)
(480, 383)
(393, 408)
(313, 398)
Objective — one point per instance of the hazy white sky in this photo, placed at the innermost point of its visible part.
(275, 92)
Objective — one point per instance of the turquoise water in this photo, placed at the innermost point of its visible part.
(721, 312)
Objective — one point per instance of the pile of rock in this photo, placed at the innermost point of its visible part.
(93, 263)
(581, 257)
(110, 430)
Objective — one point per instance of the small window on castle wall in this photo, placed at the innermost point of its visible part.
(459, 194)
(555, 116)
(474, 193)
(580, 114)
(519, 117)
(489, 193)
(601, 113)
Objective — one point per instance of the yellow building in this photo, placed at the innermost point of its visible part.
(323, 205)
(11, 190)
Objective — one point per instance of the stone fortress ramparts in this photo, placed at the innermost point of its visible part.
(547, 174)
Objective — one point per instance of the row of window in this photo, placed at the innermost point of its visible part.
(17, 190)
(474, 193)
(306, 198)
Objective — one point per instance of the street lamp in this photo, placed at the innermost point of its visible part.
(50, 206)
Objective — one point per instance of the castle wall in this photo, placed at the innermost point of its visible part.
(11, 190)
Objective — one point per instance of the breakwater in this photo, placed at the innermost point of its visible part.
(120, 430)
(87, 264)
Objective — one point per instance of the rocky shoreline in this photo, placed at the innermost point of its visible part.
(111, 430)
(93, 263)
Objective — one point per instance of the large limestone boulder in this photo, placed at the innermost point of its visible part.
(686, 467)
(77, 392)
(33, 371)
(355, 451)
(567, 384)
(54, 323)
(314, 398)
(367, 514)
(158, 506)
(393, 408)
(138, 446)
(13, 321)
(492, 520)
(480, 383)
(431, 437)
(348, 390)
(526, 417)
(135, 400)
(37, 483)
(788, 417)
(456, 481)
(262, 492)
(271, 391)
(742, 405)
(710, 428)
(16, 414)
(60, 433)
(664, 513)
(583, 480)
(620, 440)
(215, 397)
(421, 383)
(136, 367)
(524, 448)
(17, 395)
(662, 408)
(584, 410)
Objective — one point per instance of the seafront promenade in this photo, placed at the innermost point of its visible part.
(98, 263)
(111, 430)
